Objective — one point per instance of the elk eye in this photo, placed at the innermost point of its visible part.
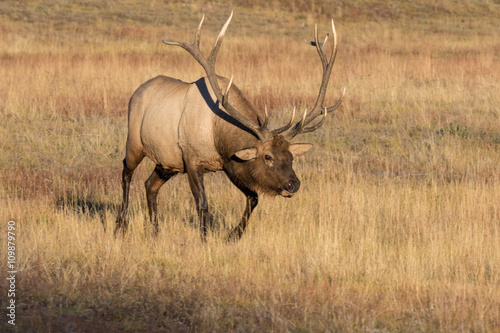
(268, 157)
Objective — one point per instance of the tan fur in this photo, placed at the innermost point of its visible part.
(172, 122)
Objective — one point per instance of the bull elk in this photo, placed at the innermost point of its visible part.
(207, 126)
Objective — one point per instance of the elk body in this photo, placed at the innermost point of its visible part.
(207, 126)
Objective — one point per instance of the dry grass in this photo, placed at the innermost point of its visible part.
(396, 226)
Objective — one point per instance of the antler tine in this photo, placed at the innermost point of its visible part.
(218, 42)
(229, 86)
(315, 127)
(257, 130)
(300, 125)
(336, 105)
(326, 38)
(198, 32)
(286, 127)
(320, 48)
(266, 118)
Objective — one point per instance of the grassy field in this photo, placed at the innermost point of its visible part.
(396, 226)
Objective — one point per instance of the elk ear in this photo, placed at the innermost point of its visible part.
(246, 154)
(298, 149)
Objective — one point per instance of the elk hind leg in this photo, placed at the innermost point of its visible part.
(128, 170)
(153, 185)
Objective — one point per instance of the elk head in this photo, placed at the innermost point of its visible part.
(267, 164)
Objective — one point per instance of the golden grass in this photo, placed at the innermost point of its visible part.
(396, 226)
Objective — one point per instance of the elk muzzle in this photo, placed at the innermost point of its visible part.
(291, 188)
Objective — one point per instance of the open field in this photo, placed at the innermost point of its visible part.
(396, 226)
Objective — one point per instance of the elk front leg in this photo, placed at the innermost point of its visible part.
(252, 201)
(195, 178)
(153, 184)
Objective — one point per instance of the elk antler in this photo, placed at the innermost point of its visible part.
(208, 65)
(318, 109)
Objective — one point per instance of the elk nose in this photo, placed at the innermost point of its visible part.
(293, 185)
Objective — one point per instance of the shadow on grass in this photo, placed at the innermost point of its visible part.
(215, 222)
(87, 206)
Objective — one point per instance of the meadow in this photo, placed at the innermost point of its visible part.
(396, 226)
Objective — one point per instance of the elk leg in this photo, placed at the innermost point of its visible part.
(195, 178)
(153, 184)
(252, 201)
(122, 221)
